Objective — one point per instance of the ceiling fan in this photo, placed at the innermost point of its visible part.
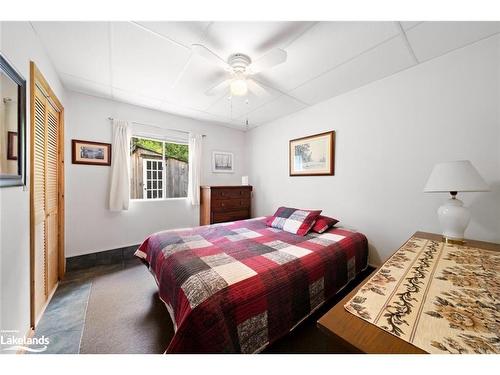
(240, 67)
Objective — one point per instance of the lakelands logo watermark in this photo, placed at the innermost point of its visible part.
(13, 342)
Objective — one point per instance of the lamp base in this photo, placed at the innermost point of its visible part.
(454, 218)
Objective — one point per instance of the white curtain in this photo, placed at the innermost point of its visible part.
(119, 189)
(194, 168)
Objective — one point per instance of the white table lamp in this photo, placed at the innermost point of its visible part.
(452, 177)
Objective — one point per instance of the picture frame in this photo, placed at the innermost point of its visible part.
(222, 162)
(313, 155)
(90, 152)
(12, 145)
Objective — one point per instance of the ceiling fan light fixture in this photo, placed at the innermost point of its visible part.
(239, 87)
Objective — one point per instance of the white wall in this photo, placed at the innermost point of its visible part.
(90, 226)
(19, 44)
(389, 135)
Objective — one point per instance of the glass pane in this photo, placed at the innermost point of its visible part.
(160, 185)
(8, 126)
(177, 157)
(154, 185)
(148, 165)
(149, 184)
(160, 166)
(160, 175)
(154, 175)
(147, 145)
(149, 194)
(177, 151)
(155, 194)
(149, 174)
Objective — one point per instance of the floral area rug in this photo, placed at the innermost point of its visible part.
(440, 297)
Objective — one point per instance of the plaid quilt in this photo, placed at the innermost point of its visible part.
(236, 287)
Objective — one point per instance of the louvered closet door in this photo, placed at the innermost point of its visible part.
(40, 287)
(45, 188)
(51, 196)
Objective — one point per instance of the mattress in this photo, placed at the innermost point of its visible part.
(237, 287)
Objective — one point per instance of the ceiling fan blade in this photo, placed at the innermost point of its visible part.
(209, 55)
(256, 89)
(218, 88)
(270, 59)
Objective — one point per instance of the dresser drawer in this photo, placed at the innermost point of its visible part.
(229, 204)
(230, 193)
(220, 217)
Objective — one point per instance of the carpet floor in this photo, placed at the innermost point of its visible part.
(125, 315)
(115, 309)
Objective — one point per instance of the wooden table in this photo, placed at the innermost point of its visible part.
(359, 336)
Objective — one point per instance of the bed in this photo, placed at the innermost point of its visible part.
(237, 287)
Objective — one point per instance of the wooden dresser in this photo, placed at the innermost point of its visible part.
(224, 203)
(353, 334)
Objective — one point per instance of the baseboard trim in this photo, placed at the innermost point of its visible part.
(101, 258)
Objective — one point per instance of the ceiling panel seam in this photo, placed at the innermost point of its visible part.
(306, 30)
(387, 76)
(171, 40)
(462, 46)
(413, 26)
(345, 62)
(280, 91)
(404, 37)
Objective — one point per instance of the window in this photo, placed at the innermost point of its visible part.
(159, 169)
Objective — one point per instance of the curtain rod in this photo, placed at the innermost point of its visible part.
(156, 126)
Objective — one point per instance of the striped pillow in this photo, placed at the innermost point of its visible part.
(293, 220)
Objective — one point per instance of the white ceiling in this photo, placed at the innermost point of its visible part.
(150, 63)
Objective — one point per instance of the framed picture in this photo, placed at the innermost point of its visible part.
(313, 155)
(12, 145)
(222, 162)
(92, 153)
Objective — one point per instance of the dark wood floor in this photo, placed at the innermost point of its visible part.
(116, 309)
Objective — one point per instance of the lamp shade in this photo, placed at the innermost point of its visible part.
(455, 176)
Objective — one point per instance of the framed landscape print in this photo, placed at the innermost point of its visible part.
(92, 153)
(313, 155)
(222, 162)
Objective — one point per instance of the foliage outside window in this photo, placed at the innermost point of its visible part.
(159, 169)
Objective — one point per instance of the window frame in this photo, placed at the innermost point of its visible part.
(163, 173)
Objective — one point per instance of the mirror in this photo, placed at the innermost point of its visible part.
(12, 125)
